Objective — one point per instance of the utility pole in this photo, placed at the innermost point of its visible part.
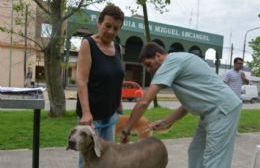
(25, 42)
(191, 15)
(231, 56)
(198, 14)
(11, 46)
(217, 63)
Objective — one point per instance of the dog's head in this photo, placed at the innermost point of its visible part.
(83, 138)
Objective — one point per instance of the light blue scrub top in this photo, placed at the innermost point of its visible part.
(198, 88)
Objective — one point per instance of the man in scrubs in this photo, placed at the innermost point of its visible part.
(201, 93)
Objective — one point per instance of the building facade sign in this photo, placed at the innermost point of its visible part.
(137, 25)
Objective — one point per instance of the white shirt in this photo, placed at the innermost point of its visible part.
(234, 81)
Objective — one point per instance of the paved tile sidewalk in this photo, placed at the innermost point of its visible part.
(177, 148)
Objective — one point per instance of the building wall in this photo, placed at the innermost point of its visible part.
(12, 55)
(16, 71)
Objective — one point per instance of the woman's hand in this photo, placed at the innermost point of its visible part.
(120, 109)
(86, 119)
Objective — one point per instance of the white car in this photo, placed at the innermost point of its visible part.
(249, 93)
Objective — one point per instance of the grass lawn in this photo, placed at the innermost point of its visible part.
(16, 127)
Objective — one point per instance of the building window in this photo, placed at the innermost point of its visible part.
(46, 30)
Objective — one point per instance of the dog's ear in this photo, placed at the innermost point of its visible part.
(97, 145)
(70, 134)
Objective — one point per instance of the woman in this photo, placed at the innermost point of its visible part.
(100, 75)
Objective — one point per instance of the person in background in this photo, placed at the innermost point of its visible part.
(202, 93)
(235, 77)
(100, 76)
(28, 77)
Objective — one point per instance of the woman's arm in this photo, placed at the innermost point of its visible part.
(83, 70)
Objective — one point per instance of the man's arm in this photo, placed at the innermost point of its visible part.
(168, 122)
(226, 78)
(140, 107)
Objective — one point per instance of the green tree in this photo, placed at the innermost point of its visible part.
(158, 5)
(254, 65)
(55, 13)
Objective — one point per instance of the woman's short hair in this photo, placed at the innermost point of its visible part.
(149, 50)
(113, 11)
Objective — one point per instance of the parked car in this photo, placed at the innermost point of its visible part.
(131, 91)
(249, 93)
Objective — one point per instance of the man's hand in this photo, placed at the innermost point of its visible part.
(160, 125)
(169, 121)
(244, 79)
(243, 76)
(86, 119)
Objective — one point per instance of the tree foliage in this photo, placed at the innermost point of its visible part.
(159, 5)
(255, 63)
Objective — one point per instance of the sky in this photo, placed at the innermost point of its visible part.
(230, 18)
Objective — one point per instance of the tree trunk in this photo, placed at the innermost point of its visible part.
(53, 72)
(148, 39)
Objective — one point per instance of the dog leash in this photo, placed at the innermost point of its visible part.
(111, 122)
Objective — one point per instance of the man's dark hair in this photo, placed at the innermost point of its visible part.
(149, 50)
(113, 11)
(238, 59)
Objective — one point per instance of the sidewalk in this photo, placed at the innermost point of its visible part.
(177, 149)
(164, 95)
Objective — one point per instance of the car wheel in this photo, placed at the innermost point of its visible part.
(130, 99)
(252, 101)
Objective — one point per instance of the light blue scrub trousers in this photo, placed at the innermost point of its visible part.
(213, 144)
(104, 129)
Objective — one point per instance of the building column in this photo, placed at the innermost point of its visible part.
(217, 63)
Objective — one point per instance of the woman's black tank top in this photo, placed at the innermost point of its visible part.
(104, 84)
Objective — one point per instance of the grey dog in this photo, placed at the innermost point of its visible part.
(97, 153)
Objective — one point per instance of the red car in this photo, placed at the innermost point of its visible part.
(131, 91)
